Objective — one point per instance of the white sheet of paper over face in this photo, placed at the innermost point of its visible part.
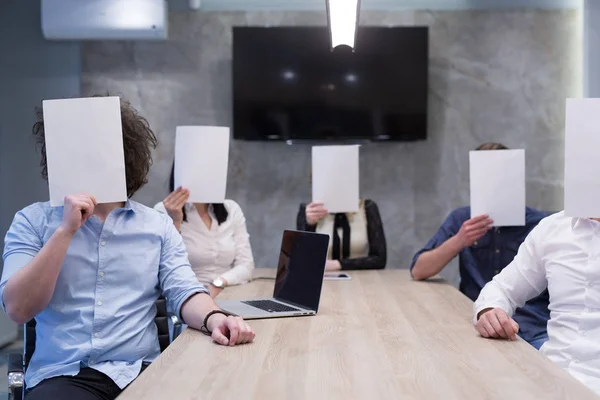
(335, 175)
(84, 149)
(582, 164)
(498, 185)
(201, 160)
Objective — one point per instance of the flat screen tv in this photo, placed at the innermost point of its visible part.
(289, 85)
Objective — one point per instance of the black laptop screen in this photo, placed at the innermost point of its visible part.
(301, 267)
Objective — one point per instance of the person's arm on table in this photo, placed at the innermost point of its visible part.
(446, 244)
(30, 269)
(190, 299)
(521, 280)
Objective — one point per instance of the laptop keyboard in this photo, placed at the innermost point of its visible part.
(270, 305)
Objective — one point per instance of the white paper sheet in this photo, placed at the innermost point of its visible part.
(582, 164)
(335, 175)
(498, 185)
(84, 149)
(201, 160)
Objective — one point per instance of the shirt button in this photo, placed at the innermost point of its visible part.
(101, 274)
(96, 334)
(103, 243)
(497, 271)
(91, 362)
(575, 361)
(497, 251)
(583, 333)
(591, 284)
(99, 303)
(475, 243)
(497, 230)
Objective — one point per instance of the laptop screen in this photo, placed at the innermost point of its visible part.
(301, 268)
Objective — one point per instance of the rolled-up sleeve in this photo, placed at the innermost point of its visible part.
(177, 280)
(21, 244)
(448, 229)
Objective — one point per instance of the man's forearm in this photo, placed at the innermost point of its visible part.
(30, 290)
(432, 262)
(195, 309)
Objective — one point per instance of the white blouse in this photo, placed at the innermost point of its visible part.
(359, 239)
(562, 254)
(221, 251)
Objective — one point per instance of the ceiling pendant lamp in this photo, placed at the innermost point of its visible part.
(342, 17)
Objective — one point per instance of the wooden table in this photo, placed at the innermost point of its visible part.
(378, 336)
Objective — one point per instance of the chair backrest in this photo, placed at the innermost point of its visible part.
(161, 320)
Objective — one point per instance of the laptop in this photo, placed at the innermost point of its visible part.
(298, 281)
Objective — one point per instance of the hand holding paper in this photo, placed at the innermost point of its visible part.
(201, 160)
(582, 169)
(84, 149)
(335, 174)
(498, 185)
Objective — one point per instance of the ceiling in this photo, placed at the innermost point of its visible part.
(308, 5)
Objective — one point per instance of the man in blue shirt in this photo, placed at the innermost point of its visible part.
(90, 273)
(483, 252)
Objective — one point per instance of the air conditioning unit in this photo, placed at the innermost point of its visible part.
(104, 19)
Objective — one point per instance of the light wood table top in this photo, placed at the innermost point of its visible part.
(377, 336)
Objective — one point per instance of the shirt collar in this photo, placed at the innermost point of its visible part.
(579, 222)
(191, 207)
(129, 205)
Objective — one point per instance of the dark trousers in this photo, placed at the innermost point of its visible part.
(88, 384)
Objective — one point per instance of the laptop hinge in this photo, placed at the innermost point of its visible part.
(294, 304)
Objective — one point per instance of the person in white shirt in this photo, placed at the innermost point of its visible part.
(215, 237)
(563, 254)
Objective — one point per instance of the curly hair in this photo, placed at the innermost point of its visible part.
(138, 143)
(491, 146)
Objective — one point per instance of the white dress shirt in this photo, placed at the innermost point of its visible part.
(563, 254)
(221, 251)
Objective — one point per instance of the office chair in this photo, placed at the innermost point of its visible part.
(17, 363)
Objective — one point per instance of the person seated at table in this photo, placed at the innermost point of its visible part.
(483, 251)
(90, 274)
(357, 239)
(560, 254)
(215, 236)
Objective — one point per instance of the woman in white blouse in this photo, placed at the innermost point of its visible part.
(215, 237)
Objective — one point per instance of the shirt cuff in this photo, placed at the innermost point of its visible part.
(186, 295)
(477, 308)
(238, 275)
(416, 257)
(2, 286)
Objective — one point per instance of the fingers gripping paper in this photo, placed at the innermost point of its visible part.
(201, 160)
(498, 185)
(335, 175)
(84, 149)
(582, 166)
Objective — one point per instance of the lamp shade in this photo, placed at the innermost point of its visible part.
(342, 17)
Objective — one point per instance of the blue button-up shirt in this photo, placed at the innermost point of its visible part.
(479, 263)
(102, 312)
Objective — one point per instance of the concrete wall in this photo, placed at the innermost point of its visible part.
(494, 76)
(31, 69)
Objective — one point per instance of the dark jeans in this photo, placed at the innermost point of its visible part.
(88, 384)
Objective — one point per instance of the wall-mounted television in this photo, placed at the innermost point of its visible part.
(288, 85)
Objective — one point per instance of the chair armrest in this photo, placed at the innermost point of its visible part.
(177, 326)
(15, 375)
